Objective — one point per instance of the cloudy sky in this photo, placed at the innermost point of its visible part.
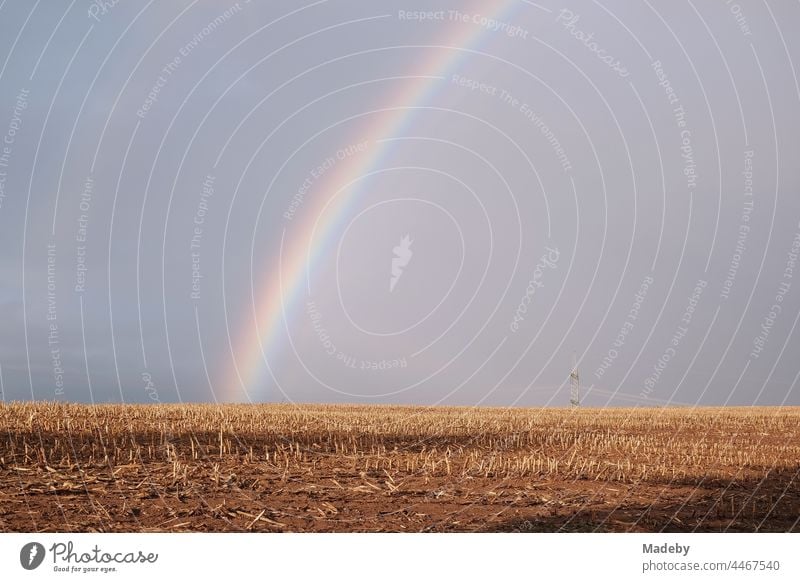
(394, 202)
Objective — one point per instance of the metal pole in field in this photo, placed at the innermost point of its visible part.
(575, 385)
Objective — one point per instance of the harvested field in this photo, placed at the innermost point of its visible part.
(287, 468)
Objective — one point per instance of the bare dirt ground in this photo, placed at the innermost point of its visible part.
(281, 468)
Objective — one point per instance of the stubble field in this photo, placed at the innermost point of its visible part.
(287, 468)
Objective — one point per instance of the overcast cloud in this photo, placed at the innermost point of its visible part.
(357, 202)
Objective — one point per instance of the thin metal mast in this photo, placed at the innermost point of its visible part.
(575, 385)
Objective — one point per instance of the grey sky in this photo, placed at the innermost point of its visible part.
(614, 181)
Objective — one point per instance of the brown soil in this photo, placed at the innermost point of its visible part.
(121, 469)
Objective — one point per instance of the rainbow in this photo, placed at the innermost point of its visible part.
(279, 295)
